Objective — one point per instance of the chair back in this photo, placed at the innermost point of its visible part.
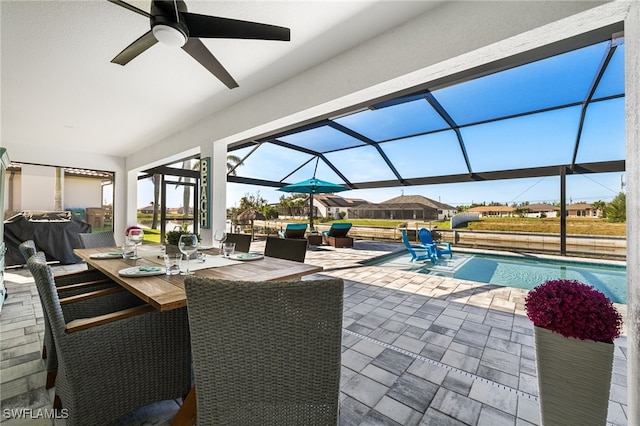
(295, 230)
(28, 249)
(99, 239)
(339, 230)
(286, 248)
(407, 244)
(425, 236)
(243, 241)
(45, 283)
(274, 355)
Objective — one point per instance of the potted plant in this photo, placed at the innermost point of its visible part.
(574, 329)
(173, 237)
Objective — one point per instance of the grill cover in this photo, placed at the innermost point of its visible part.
(55, 234)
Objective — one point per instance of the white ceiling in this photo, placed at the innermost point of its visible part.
(60, 88)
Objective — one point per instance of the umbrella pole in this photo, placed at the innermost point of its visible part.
(311, 211)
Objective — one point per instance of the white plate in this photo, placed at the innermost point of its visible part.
(246, 256)
(141, 271)
(113, 255)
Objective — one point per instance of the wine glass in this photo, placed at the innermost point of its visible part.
(220, 236)
(188, 245)
(136, 235)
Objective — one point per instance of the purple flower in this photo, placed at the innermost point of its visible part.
(573, 309)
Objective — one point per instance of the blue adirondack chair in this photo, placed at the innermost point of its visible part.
(430, 253)
(441, 248)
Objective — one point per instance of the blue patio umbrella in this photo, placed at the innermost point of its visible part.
(313, 186)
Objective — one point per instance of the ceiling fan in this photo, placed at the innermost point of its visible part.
(172, 25)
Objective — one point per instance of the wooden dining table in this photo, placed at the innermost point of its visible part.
(166, 292)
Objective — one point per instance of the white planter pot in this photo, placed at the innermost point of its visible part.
(574, 378)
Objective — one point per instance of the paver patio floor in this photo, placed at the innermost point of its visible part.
(417, 349)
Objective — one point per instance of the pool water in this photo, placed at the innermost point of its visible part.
(520, 272)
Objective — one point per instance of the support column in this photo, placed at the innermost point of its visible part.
(563, 211)
(218, 184)
(131, 206)
(632, 123)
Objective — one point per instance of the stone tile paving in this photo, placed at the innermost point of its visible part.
(417, 349)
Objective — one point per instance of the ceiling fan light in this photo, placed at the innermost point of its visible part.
(169, 36)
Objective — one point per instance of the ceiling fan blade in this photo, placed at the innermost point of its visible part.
(216, 27)
(134, 49)
(200, 53)
(130, 7)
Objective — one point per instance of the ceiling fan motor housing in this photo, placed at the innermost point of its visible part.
(168, 14)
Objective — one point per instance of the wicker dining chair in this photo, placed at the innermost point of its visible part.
(243, 241)
(286, 248)
(67, 285)
(95, 240)
(112, 364)
(266, 353)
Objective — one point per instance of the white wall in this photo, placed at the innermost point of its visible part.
(82, 192)
(37, 187)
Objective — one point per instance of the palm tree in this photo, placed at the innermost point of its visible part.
(233, 162)
(156, 179)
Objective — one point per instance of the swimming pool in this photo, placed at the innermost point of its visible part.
(518, 271)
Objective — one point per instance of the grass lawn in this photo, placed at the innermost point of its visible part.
(151, 236)
(578, 226)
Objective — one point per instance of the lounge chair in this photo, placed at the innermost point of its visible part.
(337, 235)
(441, 248)
(429, 251)
(294, 230)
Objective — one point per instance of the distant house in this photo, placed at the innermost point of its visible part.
(494, 211)
(180, 211)
(541, 210)
(582, 210)
(146, 210)
(404, 207)
(330, 205)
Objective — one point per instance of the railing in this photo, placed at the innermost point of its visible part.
(610, 247)
(464, 217)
